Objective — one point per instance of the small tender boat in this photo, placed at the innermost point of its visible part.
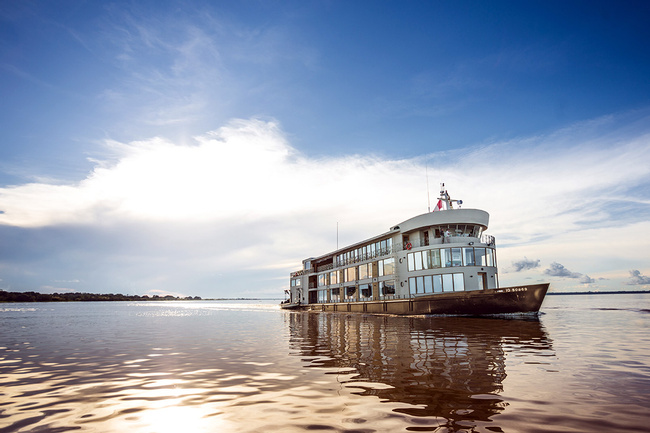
(440, 262)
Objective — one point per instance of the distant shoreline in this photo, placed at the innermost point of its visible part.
(14, 297)
(84, 297)
(611, 292)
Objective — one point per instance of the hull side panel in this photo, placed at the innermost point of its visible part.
(507, 300)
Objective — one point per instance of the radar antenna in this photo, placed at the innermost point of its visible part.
(446, 198)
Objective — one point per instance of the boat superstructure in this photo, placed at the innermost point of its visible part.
(440, 262)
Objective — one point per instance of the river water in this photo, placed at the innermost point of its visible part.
(215, 366)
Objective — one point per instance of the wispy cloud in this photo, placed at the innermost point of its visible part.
(168, 70)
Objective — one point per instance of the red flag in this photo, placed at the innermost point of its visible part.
(438, 206)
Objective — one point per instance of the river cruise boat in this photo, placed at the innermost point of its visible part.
(440, 262)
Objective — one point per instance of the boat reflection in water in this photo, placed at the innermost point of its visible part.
(450, 368)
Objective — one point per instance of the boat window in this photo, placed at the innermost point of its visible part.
(445, 257)
(365, 290)
(457, 230)
(322, 296)
(490, 259)
(437, 283)
(415, 261)
(389, 266)
(350, 274)
(479, 253)
(456, 257)
(334, 277)
(428, 287)
(426, 259)
(350, 291)
(459, 282)
(447, 283)
(322, 280)
(336, 295)
(435, 258)
(421, 285)
(468, 255)
(387, 287)
(365, 271)
(418, 261)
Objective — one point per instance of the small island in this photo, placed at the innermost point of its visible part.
(87, 297)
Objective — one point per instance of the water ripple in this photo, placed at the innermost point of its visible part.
(203, 367)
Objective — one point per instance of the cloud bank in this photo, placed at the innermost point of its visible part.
(525, 264)
(236, 209)
(558, 270)
(636, 279)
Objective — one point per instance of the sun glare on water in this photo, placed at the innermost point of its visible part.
(173, 419)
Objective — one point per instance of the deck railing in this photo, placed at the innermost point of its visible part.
(416, 243)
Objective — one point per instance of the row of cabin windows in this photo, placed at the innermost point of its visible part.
(361, 272)
(437, 283)
(343, 294)
(464, 230)
(450, 257)
(365, 252)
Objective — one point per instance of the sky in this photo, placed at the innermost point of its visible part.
(205, 148)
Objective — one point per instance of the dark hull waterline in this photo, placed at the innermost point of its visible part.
(505, 300)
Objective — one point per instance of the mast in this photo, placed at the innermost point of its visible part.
(446, 198)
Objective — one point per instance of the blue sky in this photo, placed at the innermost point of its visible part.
(206, 148)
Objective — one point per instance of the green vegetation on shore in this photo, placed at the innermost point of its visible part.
(75, 297)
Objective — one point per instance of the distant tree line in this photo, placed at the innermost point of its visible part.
(73, 297)
(611, 292)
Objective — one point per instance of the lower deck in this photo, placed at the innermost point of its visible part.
(506, 300)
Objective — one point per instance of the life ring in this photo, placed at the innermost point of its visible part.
(408, 246)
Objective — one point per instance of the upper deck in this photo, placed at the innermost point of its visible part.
(450, 217)
(449, 226)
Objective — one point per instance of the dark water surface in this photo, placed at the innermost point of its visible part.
(249, 367)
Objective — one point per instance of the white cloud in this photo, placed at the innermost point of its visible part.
(242, 201)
